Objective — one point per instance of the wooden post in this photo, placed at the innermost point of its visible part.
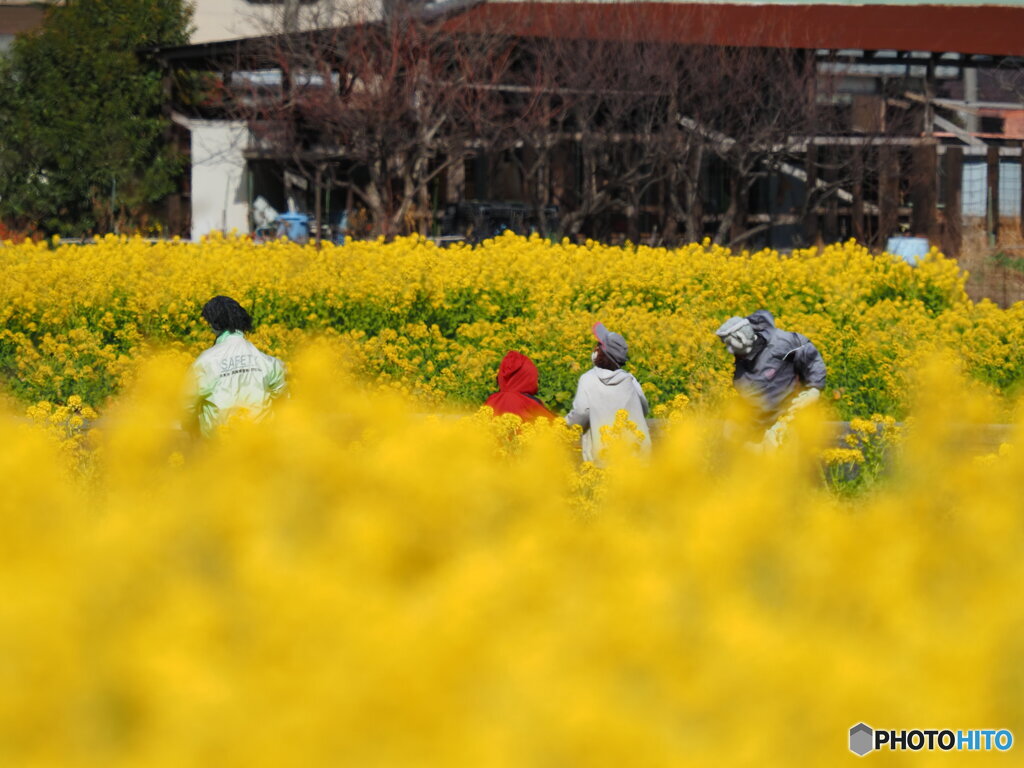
(482, 175)
(952, 233)
(923, 197)
(739, 222)
(831, 228)
(455, 182)
(811, 215)
(888, 192)
(992, 206)
(172, 135)
(929, 94)
(349, 210)
(857, 207)
(318, 212)
(1022, 188)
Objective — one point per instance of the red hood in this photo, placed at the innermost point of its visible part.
(517, 374)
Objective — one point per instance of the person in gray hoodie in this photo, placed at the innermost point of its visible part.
(776, 371)
(603, 391)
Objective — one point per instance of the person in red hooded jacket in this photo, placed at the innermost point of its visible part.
(517, 389)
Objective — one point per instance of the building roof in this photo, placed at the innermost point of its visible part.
(984, 34)
(15, 19)
(987, 30)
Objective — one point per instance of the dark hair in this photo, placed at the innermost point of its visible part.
(603, 361)
(226, 314)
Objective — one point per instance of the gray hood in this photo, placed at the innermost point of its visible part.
(613, 378)
(761, 320)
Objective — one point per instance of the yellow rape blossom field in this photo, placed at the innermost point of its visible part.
(378, 575)
(434, 322)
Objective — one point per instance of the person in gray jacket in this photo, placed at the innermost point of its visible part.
(605, 390)
(776, 371)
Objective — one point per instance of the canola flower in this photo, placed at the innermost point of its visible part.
(69, 425)
(432, 323)
(350, 582)
(834, 456)
(622, 435)
(869, 447)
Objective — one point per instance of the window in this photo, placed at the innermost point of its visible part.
(991, 124)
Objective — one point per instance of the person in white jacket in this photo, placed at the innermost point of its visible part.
(605, 390)
(232, 377)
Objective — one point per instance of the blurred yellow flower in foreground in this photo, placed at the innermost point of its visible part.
(353, 583)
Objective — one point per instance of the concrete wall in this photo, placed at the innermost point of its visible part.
(219, 189)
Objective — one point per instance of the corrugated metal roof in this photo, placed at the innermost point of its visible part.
(993, 30)
(954, 3)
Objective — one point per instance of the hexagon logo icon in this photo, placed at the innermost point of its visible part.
(862, 739)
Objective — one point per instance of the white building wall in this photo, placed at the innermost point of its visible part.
(229, 19)
(219, 189)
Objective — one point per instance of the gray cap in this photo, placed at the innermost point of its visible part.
(731, 326)
(613, 344)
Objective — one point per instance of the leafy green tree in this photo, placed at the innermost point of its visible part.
(82, 138)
